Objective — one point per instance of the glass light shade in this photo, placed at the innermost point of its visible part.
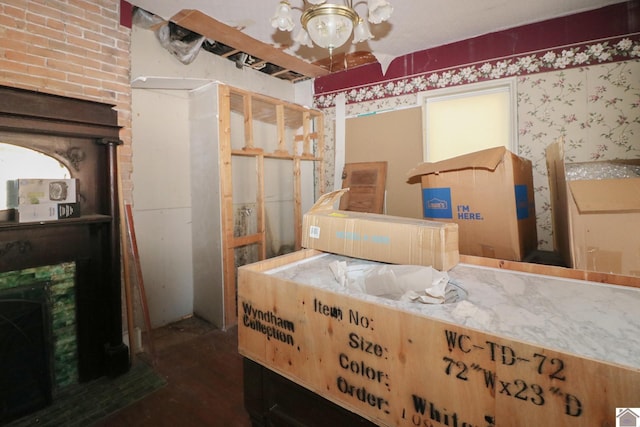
(316, 2)
(379, 10)
(282, 19)
(361, 33)
(303, 38)
(329, 25)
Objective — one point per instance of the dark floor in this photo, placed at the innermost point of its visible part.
(204, 380)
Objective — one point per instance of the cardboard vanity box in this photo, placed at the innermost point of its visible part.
(376, 237)
(489, 194)
(596, 212)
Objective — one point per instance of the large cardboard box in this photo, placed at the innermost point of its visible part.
(529, 360)
(489, 194)
(596, 212)
(376, 237)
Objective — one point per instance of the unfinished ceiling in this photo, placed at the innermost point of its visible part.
(240, 30)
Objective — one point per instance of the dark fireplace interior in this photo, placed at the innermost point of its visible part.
(25, 350)
(60, 280)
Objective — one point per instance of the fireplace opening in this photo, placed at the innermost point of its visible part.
(25, 350)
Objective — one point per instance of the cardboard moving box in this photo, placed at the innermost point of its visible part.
(596, 212)
(376, 237)
(489, 194)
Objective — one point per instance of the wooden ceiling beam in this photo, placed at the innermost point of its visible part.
(212, 29)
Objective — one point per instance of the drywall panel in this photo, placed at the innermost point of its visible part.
(394, 137)
(161, 156)
(162, 203)
(208, 279)
(164, 241)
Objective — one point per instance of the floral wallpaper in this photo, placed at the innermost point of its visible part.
(595, 109)
(588, 94)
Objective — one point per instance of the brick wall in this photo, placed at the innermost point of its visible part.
(73, 48)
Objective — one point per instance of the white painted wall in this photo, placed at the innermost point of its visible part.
(171, 115)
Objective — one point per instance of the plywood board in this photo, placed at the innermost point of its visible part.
(396, 138)
(397, 368)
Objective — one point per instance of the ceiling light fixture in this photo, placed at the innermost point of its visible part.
(330, 25)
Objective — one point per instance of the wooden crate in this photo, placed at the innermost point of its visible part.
(398, 367)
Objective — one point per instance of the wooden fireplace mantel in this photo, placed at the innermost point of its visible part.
(84, 136)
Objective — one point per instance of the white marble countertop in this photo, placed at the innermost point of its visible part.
(588, 319)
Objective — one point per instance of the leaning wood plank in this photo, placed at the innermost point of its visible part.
(133, 244)
(126, 268)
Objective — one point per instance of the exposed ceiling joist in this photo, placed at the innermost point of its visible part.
(212, 29)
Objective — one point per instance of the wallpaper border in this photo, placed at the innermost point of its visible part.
(602, 51)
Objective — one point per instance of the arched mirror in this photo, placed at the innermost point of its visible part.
(19, 162)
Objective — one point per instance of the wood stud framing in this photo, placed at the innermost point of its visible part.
(306, 145)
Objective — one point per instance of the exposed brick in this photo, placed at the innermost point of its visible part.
(21, 79)
(83, 23)
(22, 4)
(64, 66)
(100, 38)
(87, 6)
(83, 80)
(37, 19)
(49, 33)
(69, 89)
(32, 39)
(84, 43)
(61, 26)
(117, 35)
(102, 58)
(86, 63)
(47, 72)
(45, 10)
(102, 20)
(20, 46)
(14, 12)
(46, 53)
(116, 87)
(13, 67)
(24, 58)
(72, 48)
(7, 22)
(98, 75)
